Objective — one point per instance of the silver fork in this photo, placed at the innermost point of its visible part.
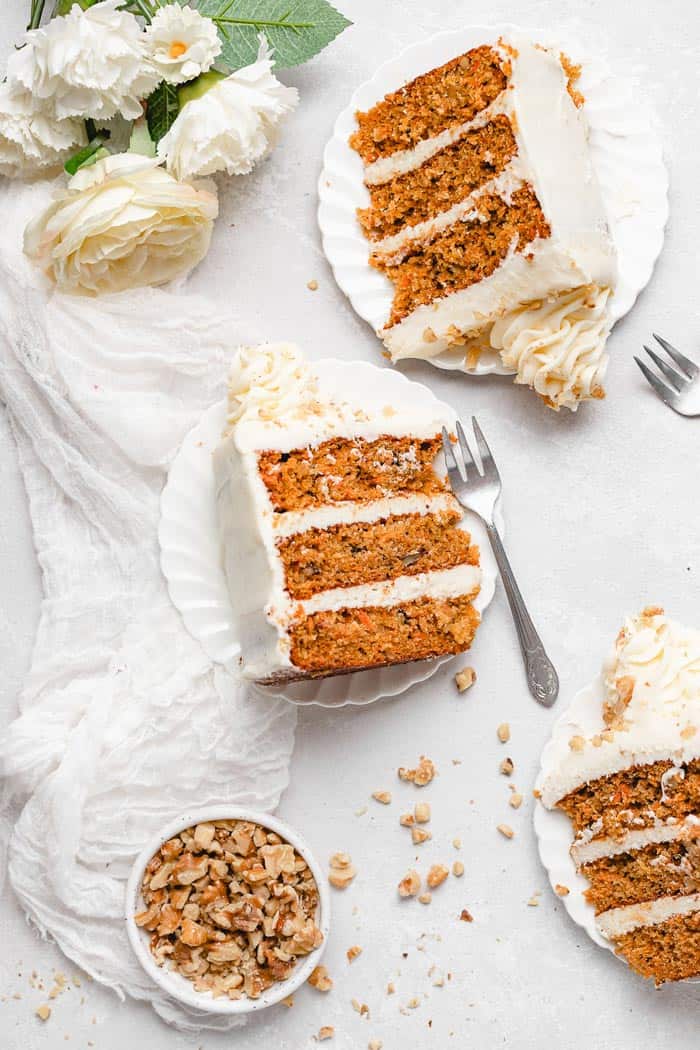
(679, 378)
(478, 491)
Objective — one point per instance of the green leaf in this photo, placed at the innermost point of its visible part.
(162, 110)
(296, 29)
(87, 155)
(141, 141)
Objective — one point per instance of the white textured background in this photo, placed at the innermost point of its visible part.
(601, 512)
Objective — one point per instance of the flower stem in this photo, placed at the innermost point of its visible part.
(263, 23)
(35, 13)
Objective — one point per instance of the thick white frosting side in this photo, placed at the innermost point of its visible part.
(276, 403)
(557, 345)
(649, 709)
(347, 513)
(618, 921)
(553, 156)
(583, 852)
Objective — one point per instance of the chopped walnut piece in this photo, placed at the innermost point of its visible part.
(466, 916)
(327, 1031)
(421, 812)
(43, 1012)
(534, 901)
(515, 800)
(410, 884)
(360, 1008)
(503, 732)
(437, 875)
(342, 871)
(421, 775)
(429, 336)
(320, 979)
(458, 869)
(425, 898)
(382, 796)
(353, 952)
(230, 906)
(562, 891)
(375, 1044)
(505, 830)
(407, 820)
(688, 732)
(577, 743)
(506, 767)
(457, 843)
(419, 836)
(465, 678)
(312, 285)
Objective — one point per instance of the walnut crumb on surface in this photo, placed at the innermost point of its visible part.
(382, 796)
(466, 916)
(503, 732)
(505, 830)
(410, 884)
(421, 811)
(419, 836)
(562, 891)
(342, 871)
(288, 1001)
(320, 979)
(360, 1008)
(506, 767)
(577, 743)
(312, 285)
(515, 800)
(43, 1012)
(534, 901)
(407, 820)
(465, 678)
(421, 775)
(390, 988)
(437, 875)
(326, 1032)
(353, 952)
(458, 869)
(425, 898)
(457, 843)
(375, 1044)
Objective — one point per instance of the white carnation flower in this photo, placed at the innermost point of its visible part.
(232, 126)
(181, 43)
(31, 140)
(89, 63)
(121, 223)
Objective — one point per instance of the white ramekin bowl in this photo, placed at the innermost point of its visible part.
(179, 987)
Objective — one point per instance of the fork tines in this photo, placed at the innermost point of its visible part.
(674, 375)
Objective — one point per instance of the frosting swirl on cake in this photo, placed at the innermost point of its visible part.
(268, 383)
(557, 346)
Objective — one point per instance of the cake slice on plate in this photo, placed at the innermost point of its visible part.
(631, 786)
(342, 542)
(486, 216)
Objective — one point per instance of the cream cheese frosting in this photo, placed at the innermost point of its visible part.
(649, 708)
(579, 256)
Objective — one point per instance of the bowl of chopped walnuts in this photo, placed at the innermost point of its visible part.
(227, 910)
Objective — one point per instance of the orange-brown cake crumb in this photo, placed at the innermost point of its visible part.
(350, 469)
(367, 552)
(441, 182)
(353, 638)
(450, 95)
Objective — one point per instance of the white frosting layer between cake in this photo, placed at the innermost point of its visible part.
(553, 156)
(583, 852)
(618, 921)
(275, 403)
(649, 711)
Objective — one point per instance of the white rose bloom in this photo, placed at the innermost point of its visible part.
(181, 43)
(122, 222)
(31, 140)
(89, 63)
(232, 126)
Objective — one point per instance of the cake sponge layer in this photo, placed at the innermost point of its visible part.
(659, 870)
(667, 951)
(368, 552)
(450, 95)
(357, 638)
(350, 469)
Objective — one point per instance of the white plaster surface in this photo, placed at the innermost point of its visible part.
(601, 510)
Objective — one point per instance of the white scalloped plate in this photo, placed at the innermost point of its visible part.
(553, 828)
(625, 147)
(191, 553)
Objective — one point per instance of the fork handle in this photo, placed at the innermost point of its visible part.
(542, 679)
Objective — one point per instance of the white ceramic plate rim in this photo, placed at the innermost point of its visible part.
(191, 563)
(620, 132)
(179, 987)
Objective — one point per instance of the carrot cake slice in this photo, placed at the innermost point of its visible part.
(342, 543)
(631, 786)
(485, 214)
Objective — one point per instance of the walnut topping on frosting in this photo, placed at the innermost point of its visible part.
(230, 906)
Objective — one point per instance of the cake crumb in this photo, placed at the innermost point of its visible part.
(503, 732)
(421, 775)
(382, 796)
(437, 875)
(353, 952)
(326, 1032)
(505, 830)
(312, 285)
(320, 979)
(465, 679)
(561, 890)
(43, 1012)
(458, 869)
(515, 800)
(506, 767)
(410, 884)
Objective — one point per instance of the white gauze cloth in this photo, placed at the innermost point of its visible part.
(123, 721)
